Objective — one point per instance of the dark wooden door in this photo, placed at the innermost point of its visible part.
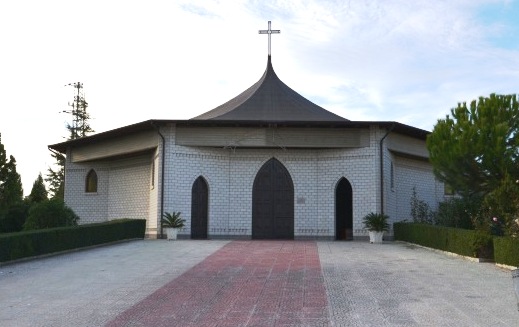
(343, 211)
(199, 208)
(273, 203)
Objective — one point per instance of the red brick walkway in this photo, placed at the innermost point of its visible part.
(246, 283)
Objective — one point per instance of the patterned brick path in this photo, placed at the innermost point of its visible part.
(245, 283)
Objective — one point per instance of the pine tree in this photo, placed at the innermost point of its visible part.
(475, 149)
(3, 173)
(56, 178)
(12, 209)
(11, 191)
(79, 127)
(3, 162)
(38, 192)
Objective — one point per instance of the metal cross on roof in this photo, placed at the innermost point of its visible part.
(269, 32)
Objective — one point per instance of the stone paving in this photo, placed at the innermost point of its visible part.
(246, 283)
(256, 283)
(399, 284)
(91, 287)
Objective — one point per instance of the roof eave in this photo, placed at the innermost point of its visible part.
(155, 123)
(137, 127)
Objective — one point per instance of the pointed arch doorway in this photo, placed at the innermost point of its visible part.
(273, 202)
(343, 210)
(199, 208)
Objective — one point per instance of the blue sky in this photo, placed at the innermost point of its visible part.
(504, 18)
(397, 60)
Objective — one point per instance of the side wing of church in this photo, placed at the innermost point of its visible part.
(268, 164)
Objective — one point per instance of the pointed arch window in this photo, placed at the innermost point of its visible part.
(91, 182)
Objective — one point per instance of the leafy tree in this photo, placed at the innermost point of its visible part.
(48, 214)
(38, 192)
(500, 208)
(14, 218)
(459, 212)
(476, 148)
(421, 212)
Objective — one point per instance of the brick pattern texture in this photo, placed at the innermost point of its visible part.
(130, 187)
(246, 283)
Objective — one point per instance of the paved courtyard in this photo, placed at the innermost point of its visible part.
(256, 283)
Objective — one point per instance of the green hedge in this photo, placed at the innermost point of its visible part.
(461, 241)
(506, 251)
(43, 241)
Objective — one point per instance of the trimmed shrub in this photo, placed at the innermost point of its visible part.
(506, 251)
(464, 242)
(49, 214)
(44, 241)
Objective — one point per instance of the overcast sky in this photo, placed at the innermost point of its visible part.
(409, 61)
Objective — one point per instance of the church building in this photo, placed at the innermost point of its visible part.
(267, 164)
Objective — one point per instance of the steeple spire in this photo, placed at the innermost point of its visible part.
(269, 32)
(269, 100)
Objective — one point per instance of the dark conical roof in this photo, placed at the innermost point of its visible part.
(269, 99)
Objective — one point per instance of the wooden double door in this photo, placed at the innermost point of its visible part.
(273, 202)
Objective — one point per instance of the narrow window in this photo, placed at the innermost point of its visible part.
(153, 174)
(392, 177)
(91, 182)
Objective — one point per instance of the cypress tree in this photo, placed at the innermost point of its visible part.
(3, 174)
(38, 192)
(11, 191)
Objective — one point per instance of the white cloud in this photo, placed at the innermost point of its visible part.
(408, 61)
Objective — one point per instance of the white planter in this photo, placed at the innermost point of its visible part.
(515, 279)
(171, 233)
(375, 237)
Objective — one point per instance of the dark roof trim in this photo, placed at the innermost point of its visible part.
(153, 123)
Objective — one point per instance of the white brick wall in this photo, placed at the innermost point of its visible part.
(416, 174)
(90, 207)
(125, 190)
(129, 188)
(230, 175)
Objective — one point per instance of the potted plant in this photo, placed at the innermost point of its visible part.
(376, 224)
(172, 222)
